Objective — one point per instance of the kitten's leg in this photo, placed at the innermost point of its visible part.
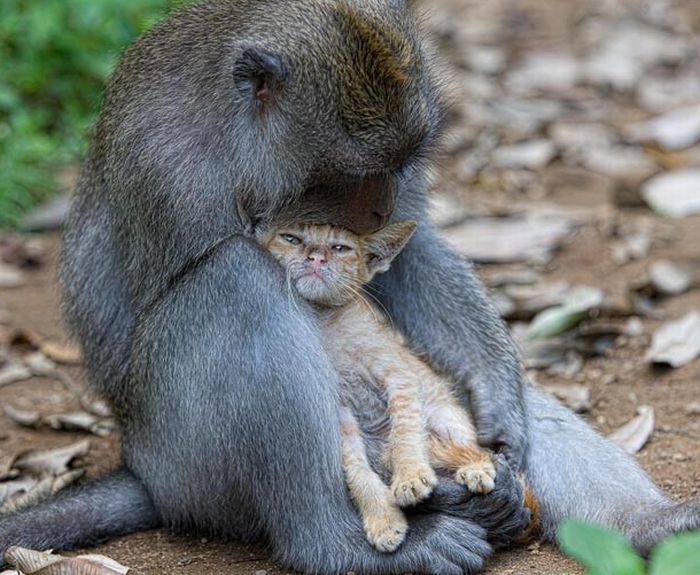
(474, 466)
(413, 478)
(453, 442)
(384, 522)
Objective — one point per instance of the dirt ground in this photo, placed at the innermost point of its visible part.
(619, 380)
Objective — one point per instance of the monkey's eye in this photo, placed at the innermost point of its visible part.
(340, 248)
(291, 239)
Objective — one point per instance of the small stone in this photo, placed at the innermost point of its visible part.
(675, 193)
(634, 327)
(670, 278)
(693, 408)
(675, 130)
(485, 59)
(10, 276)
(533, 155)
(544, 72)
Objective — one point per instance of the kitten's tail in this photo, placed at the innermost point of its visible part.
(113, 505)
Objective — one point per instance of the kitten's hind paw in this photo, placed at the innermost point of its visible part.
(479, 476)
(387, 530)
(413, 486)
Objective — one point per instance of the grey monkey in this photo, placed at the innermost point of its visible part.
(324, 110)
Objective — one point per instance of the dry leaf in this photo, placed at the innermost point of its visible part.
(53, 461)
(10, 276)
(39, 363)
(508, 239)
(12, 372)
(634, 434)
(33, 562)
(577, 397)
(678, 342)
(23, 417)
(61, 352)
(41, 490)
(80, 421)
(6, 464)
(9, 489)
(669, 278)
(675, 193)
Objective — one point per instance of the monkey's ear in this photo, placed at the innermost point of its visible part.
(259, 75)
(384, 245)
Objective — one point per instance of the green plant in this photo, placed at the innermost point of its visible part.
(56, 55)
(607, 552)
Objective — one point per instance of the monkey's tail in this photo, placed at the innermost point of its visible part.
(577, 473)
(113, 505)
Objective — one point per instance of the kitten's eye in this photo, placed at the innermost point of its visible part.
(340, 248)
(291, 239)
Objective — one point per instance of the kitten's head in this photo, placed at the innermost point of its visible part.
(329, 265)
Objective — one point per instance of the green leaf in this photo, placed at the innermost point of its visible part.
(558, 319)
(601, 550)
(678, 555)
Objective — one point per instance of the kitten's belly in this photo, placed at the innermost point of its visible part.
(368, 403)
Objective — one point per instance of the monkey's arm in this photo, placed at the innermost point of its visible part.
(434, 297)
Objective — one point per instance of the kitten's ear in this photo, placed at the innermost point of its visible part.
(384, 245)
(260, 75)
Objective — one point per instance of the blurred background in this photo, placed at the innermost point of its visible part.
(55, 56)
(570, 174)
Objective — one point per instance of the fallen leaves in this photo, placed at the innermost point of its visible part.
(634, 434)
(677, 342)
(34, 475)
(30, 562)
(509, 239)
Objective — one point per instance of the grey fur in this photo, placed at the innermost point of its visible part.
(226, 399)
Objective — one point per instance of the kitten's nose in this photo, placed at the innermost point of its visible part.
(316, 259)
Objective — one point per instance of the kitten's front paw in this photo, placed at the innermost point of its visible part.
(386, 531)
(479, 477)
(414, 485)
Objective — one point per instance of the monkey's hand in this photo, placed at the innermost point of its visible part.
(501, 512)
(500, 421)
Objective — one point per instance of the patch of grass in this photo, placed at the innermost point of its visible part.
(56, 56)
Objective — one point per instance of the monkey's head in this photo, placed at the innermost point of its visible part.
(341, 90)
(329, 265)
(319, 107)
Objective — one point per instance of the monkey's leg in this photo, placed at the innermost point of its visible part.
(384, 521)
(244, 438)
(575, 472)
(434, 298)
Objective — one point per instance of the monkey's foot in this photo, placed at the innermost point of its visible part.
(386, 530)
(478, 476)
(413, 485)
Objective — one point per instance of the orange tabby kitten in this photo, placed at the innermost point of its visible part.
(428, 427)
